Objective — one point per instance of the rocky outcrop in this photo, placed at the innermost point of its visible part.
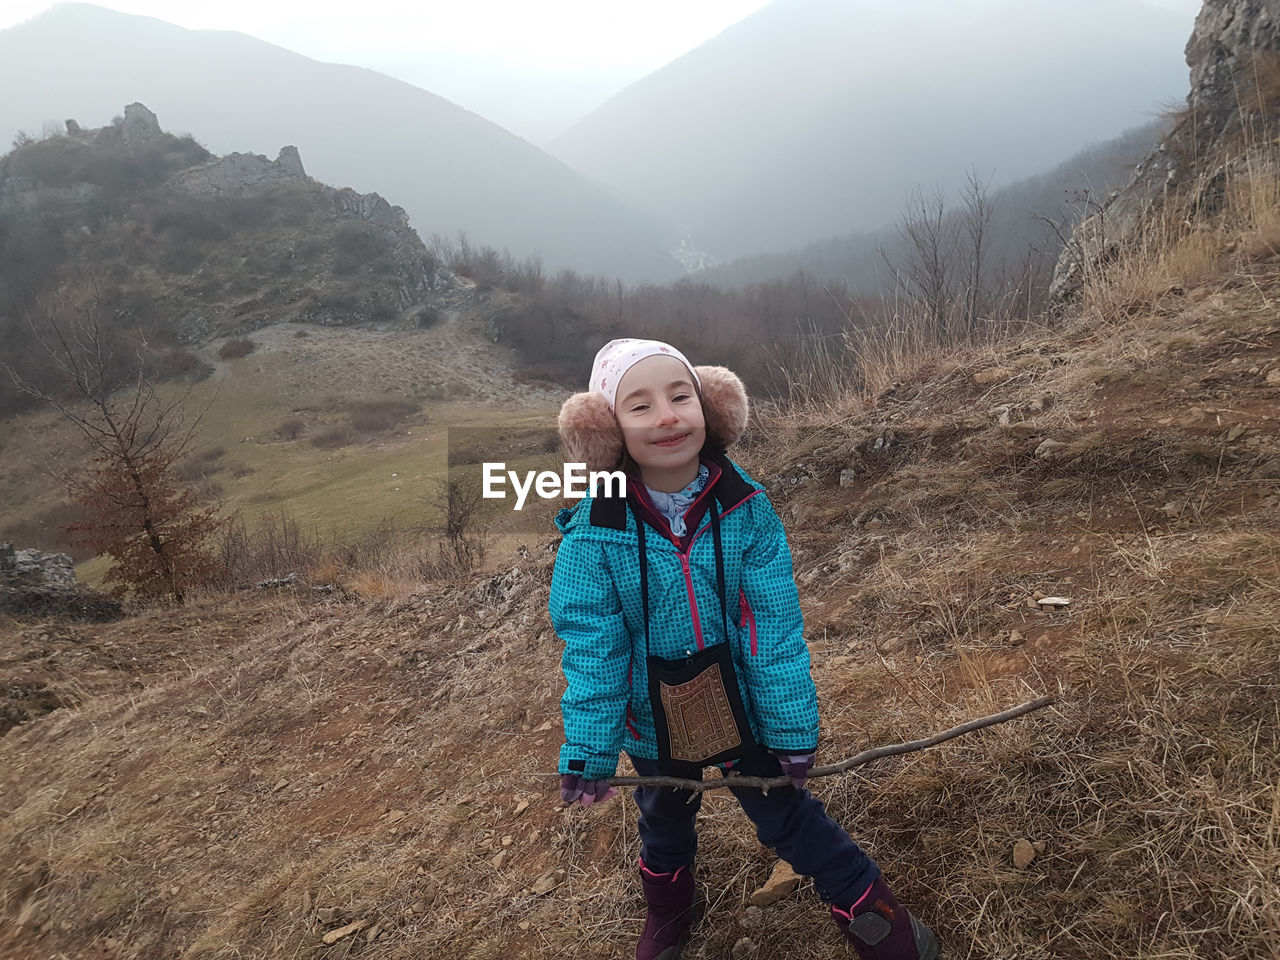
(242, 173)
(56, 179)
(1234, 59)
(370, 207)
(1228, 54)
(36, 584)
(417, 277)
(140, 126)
(42, 571)
(289, 161)
(239, 173)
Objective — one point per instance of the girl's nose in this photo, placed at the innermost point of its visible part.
(667, 415)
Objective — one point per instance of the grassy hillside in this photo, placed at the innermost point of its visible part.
(250, 774)
(345, 431)
(325, 352)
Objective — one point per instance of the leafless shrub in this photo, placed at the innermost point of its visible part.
(462, 546)
(427, 316)
(377, 416)
(192, 471)
(235, 348)
(200, 465)
(275, 546)
(332, 437)
(178, 364)
(291, 429)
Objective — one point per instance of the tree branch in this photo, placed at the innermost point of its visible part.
(857, 760)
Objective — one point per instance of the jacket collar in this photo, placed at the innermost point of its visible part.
(726, 485)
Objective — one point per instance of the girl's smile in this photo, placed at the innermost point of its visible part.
(671, 441)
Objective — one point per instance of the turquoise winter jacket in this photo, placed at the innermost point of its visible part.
(596, 609)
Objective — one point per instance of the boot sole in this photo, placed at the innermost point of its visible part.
(926, 943)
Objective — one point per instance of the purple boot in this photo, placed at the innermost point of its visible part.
(670, 913)
(880, 928)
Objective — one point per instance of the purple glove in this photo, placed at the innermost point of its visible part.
(797, 767)
(587, 792)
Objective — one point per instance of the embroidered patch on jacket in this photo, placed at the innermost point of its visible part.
(699, 717)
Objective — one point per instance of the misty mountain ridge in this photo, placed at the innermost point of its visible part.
(814, 118)
(770, 157)
(451, 169)
(1029, 219)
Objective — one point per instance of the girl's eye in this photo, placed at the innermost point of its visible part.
(680, 397)
(640, 408)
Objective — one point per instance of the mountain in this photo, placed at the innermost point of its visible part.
(814, 118)
(450, 169)
(1028, 218)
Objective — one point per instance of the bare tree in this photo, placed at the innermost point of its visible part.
(927, 270)
(136, 510)
(975, 220)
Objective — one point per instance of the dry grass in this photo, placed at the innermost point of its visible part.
(1254, 199)
(1157, 786)
(251, 798)
(1177, 249)
(239, 777)
(899, 351)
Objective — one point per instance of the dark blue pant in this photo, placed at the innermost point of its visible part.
(792, 822)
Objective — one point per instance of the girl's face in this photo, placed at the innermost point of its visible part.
(660, 416)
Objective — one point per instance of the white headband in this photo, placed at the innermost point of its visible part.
(618, 356)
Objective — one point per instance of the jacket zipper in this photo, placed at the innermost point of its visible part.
(688, 574)
(693, 602)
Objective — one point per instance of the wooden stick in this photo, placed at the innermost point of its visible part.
(857, 760)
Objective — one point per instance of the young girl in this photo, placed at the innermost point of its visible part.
(684, 644)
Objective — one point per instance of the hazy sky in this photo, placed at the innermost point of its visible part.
(565, 56)
(532, 66)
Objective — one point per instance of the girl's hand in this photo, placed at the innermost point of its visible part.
(797, 767)
(587, 792)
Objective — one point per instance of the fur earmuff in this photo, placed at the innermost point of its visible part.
(589, 432)
(724, 403)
